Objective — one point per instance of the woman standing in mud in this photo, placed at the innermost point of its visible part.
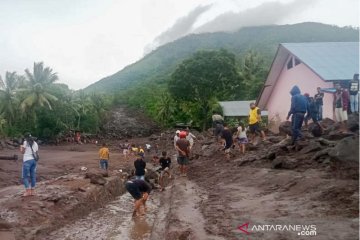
(29, 149)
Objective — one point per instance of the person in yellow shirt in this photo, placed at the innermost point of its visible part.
(254, 122)
(141, 152)
(104, 157)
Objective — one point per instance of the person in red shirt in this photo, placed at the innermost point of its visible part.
(183, 147)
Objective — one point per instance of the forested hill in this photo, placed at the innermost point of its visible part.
(157, 65)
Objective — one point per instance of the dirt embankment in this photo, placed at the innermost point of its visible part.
(274, 183)
(313, 183)
(64, 192)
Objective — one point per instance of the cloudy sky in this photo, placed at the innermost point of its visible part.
(86, 40)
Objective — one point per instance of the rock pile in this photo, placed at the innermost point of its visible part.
(123, 123)
(333, 150)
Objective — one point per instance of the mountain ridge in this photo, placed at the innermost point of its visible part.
(159, 63)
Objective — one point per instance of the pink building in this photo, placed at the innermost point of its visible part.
(307, 65)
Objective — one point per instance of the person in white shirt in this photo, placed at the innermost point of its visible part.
(176, 137)
(29, 148)
(190, 137)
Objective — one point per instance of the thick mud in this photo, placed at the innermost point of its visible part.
(112, 221)
(218, 200)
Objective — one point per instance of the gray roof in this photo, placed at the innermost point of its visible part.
(332, 61)
(237, 108)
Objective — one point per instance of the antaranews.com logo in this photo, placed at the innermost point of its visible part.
(299, 229)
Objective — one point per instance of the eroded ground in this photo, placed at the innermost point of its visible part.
(216, 198)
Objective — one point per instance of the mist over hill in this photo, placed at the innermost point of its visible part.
(156, 66)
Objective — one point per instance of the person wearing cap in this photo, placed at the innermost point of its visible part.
(29, 148)
(183, 148)
(139, 190)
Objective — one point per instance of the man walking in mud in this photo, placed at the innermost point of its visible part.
(139, 190)
(183, 148)
(254, 122)
(104, 157)
(299, 107)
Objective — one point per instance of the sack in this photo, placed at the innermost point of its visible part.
(36, 156)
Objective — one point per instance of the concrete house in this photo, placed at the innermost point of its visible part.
(307, 65)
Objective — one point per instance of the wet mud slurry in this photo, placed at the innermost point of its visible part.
(216, 199)
(172, 214)
(112, 221)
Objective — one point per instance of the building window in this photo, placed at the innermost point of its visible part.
(290, 63)
(297, 61)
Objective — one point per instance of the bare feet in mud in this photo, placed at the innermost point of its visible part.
(27, 193)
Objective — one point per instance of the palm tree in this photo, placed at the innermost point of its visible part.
(8, 100)
(165, 109)
(36, 93)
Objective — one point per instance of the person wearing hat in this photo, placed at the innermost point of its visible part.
(29, 149)
(183, 148)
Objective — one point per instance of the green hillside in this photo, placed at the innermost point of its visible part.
(156, 66)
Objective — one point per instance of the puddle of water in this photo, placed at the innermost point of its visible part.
(113, 222)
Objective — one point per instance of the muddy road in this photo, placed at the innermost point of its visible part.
(244, 198)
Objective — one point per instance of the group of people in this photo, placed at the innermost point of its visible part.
(229, 137)
(304, 107)
(138, 186)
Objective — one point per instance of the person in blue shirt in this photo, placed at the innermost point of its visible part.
(298, 109)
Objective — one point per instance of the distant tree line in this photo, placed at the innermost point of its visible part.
(192, 91)
(34, 102)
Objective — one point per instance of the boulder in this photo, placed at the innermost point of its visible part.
(284, 162)
(327, 122)
(285, 128)
(315, 130)
(353, 122)
(320, 153)
(277, 163)
(311, 147)
(96, 178)
(338, 135)
(209, 151)
(346, 150)
(275, 139)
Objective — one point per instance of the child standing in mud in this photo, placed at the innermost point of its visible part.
(104, 155)
(241, 138)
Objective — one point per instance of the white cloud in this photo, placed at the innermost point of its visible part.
(86, 40)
